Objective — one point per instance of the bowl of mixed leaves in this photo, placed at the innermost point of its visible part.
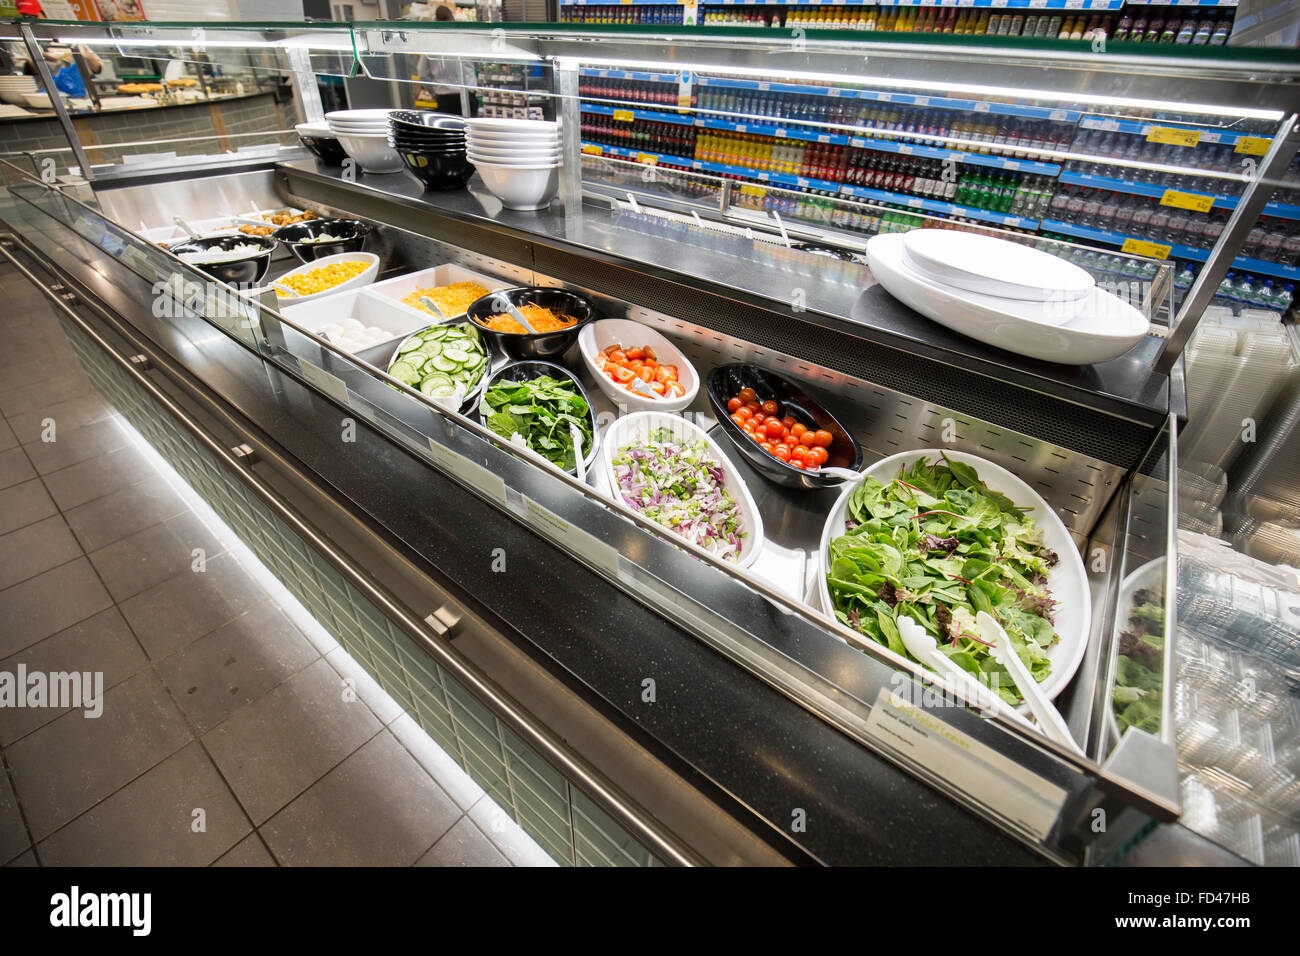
(538, 401)
(1137, 698)
(938, 536)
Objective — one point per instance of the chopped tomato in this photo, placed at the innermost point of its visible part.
(657, 387)
(677, 389)
(625, 375)
(645, 374)
(635, 353)
(617, 357)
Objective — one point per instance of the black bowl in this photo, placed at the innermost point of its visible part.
(427, 119)
(725, 381)
(526, 371)
(326, 148)
(247, 271)
(416, 146)
(438, 170)
(536, 345)
(351, 235)
(425, 132)
(831, 252)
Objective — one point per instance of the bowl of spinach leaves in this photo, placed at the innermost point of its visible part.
(939, 535)
(539, 401)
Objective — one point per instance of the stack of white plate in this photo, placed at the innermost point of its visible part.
(13, 88)
(999, 292)
(518, 160)
(363, 134)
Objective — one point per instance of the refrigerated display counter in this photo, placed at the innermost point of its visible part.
(627, 695)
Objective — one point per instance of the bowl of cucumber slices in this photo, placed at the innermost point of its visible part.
(439, 359)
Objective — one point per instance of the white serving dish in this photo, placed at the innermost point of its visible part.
(358, 305)
(38, 101)
(992, 266)
(361, 279)
(1068, 581)
(372, 153)
(392, 291)
(1104, 328)
(521, 187)
(636, 426)
(599, 335)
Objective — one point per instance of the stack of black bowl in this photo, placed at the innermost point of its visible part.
(432, 145)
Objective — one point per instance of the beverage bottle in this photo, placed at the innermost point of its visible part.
(1123, 27)
(1172, 26)
(1186, 32)
(1222, 31)
(1203, 31)
(1139, 30)
(1154, 28)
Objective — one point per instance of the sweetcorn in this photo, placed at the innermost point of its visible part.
(323, 277)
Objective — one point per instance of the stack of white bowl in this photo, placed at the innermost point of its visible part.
(1022, 299)
(363, 134)
(13, 88)
(518, 160)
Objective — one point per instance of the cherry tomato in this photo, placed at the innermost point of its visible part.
(824, 438)
(797, 463)
(743, 412)
(796, 430)
(658, 388)
(738, 420)
(663, 375)
(798, 453)
(745, 424)
(754, 407)
(748, 395)
(767, 446)
(637, 353)
(770, 407)
(617, 356)
(634, 365)
(677, 390)
(782, 452)
(807, 440)
(817, 456)
(775, 429)
(645, 374)
(624, 375)
(759, 419)
(670, 369)
(600, 360)
(733, 406)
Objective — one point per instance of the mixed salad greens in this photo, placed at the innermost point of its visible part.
(937, 545)
(677, 483)
(540, 410)
(1137, 695)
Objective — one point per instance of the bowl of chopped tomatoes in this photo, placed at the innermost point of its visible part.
(785, 433)
(616, 351)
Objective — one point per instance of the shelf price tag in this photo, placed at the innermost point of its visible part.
(920, 736)
(592, 148)
(982, 107)
(1252, 145)
(623, 116)
(1058, 115)
(331, 385)
(489, 482)
(1174, 137)
(1193, 201)
(570, 536)
(1141, 247)
(649, 159)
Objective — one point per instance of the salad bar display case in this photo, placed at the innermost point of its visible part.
(754, 554)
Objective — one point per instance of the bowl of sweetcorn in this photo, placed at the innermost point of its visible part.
(325, 276)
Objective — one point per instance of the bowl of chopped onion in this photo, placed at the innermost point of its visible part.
(318, 238)
(237, 260)
(557, 316)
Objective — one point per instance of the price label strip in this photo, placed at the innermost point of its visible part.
(1193, 201)
(570, 536)
(1252, 145)
(979, 771)
(592, 149)
(1174, 137)
(623, 116)
(491, 484)
(1141, 247)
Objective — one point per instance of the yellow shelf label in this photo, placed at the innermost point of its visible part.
(1194, 201)
(623, 116)
(1252, 145)
(1140, 247)
(684, 100)
(592, 148)
(1174, 137)
(647, 158)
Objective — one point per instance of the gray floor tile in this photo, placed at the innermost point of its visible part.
(14, 467)
(394, 811)
(102, 643)
(72, 763)
(97, 476)
(76, 445)
(124, 512)
(7, 437)
(73, 383)
(24, 859)
(29, 373)
(48, 603)
(155, 554)
(170, 615)
(279, 745)
(34, 549)
(463, 845)
(24, 503)
(458, 784)
(235, 664)
(250, 851)
(152, 822)
(67, 415)
(13, 832)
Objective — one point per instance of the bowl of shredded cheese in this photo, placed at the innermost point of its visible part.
(452, 300)
(556, 315)
(325, 276)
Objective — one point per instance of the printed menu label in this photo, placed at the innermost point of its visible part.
(475, 475)
(1194, 201)
(1141, 247)
(570, 536)
(1252, 145)
(979, 771)
(1174, 137)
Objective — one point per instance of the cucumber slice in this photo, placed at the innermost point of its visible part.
(437, 378)
(411, 344)
(432, 348)
(404, 372)
(443, 391)
(444, 364)
(459, 356)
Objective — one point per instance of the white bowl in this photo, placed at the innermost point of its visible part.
(521, 187)
(538, 156)
(313, 129)
(497, 125)
(992, 266)
(1104, 327)
(372, 153)
(630, 428)
(38, 101)
(597, 336)
(362, 278)
(513, 142)
(523, 161)
(358, 116)
(1068, 581)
